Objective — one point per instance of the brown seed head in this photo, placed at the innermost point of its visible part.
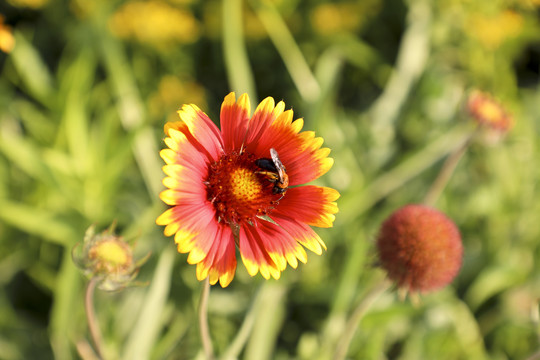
(420, 248)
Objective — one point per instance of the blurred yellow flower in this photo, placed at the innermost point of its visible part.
(332, 18)
(154, 22)
(33, 4)
(492, 31)
(173, 91)
(530, 3)
(7, 41)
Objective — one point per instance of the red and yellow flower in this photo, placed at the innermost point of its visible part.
(485, 110)
(222, 200)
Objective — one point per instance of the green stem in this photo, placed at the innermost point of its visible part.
(444, 175)
(91, 317)
(354, 205)
(234, 48)
(290, 52)
(245, 330)
(203, 321)
(356, 317)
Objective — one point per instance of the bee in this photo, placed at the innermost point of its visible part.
(275, 171)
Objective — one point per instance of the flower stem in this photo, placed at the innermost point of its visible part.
(203, 321)
(356, 317)
(245, 330)
(446, 172)
(91, 317)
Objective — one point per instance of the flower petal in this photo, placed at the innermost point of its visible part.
(309, 204)
(300, 152)
(220, 262)
(206, 135)
(281, 245)
(234, 121)
(254, 254)
(265, 114)
(303, 234)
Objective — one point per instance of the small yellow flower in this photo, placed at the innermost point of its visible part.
(7, 41)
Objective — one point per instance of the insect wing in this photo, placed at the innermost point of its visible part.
(277, 162)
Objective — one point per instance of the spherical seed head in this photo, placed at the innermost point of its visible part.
(420, 248)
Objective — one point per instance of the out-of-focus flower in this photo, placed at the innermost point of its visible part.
(530, 3)
(155, 23)
(333, 18)
(32, 4)
(492, 31)
(107, 257)
(7, 41)
(420, 248)
(229, 189)
(172, 91)
(488, 112)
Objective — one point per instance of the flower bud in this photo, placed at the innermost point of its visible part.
(108, 257)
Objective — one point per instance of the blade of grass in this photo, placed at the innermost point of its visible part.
(131, 111)
(236, 59)
(38, 222)
(356, 203)
(150, 322)
(33, 72)
(268, 322)
(290, 52)
(76, 83)
(411, 60)
(67, 300)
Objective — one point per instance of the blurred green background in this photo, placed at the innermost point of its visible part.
(84, 95)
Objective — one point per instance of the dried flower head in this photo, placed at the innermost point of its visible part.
(420, 248)
(229, 188)
(108, 257)
(488, 112)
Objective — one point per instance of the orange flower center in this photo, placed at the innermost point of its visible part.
(238, 190)
(490, 112)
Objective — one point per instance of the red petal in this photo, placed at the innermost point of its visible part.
(300, 152)
(199, 130)
(254, 253)
(220, 261)
(311, 205)
(234, 121)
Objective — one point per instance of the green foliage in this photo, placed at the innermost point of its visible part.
(84, 96)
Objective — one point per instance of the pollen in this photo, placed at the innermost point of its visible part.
(237, 190)
(245, 185)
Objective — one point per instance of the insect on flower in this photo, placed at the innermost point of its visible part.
(275, 172)
(222, 187)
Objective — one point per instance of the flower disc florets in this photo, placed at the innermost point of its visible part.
(420, 248)
(237, 190)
